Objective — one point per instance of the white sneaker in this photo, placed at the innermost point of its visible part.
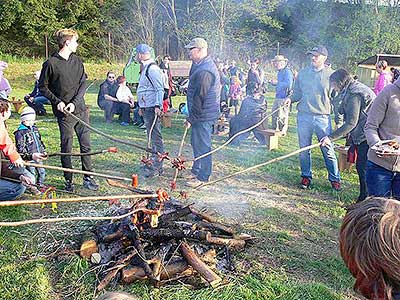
(194, 183)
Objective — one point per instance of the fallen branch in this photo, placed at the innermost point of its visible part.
(210, 276)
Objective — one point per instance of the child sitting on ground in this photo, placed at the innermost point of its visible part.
(29, 143)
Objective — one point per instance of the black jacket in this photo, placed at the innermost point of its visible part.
(28, 141)
(63, 80)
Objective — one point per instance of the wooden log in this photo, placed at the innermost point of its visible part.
(167, 272)
(216, 226)
(118, 267)
(231, 243)
(168, 219)
(211, 277)
(88, 248)
(162, 234)
(212, 220)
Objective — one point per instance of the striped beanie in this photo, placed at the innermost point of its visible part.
(28, 114)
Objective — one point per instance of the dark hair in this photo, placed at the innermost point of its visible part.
(255, 61)
(121, 79)
(4, 105)
(167, 56)
(370, 246)
(341, 77)
(110, 72)
(382, 64)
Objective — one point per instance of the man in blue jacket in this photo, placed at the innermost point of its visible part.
(203, 97)
(284, 86)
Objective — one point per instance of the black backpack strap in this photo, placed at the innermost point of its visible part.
(147, 72)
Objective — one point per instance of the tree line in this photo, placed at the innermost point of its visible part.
(237, 29)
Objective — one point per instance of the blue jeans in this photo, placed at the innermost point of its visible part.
(39, 103)
(382, 182)
(10, 190)
(201, 143)
(41, 172)
(307, 125)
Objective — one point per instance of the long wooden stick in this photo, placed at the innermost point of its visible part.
(110, 137)
(77, 199)
(180, 152)
(258, 166)
(55, 220)
(30, 164)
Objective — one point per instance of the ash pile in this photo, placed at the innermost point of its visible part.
(162, 241)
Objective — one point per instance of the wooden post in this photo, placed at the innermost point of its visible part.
(46, 45)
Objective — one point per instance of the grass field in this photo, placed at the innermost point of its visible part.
(295, 255)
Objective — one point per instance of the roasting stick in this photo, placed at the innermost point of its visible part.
(67, 219)
(125, 142)
(180, 152)
(77, 199)
(29, 164)
(150, 133)
(260, 165)
(235, 135)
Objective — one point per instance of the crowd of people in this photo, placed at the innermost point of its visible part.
(369, 120)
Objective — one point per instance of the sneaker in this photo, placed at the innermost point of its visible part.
(336, 186)
(90, 184)
(69, 186)
(124, 124)
(142, 126)
(189, 176)
(305, 183)
(194, 183)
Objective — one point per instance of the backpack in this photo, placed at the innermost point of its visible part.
(164, 75)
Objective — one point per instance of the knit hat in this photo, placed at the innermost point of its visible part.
(28, 114)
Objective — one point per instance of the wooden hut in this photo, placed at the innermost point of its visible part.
(366, 69)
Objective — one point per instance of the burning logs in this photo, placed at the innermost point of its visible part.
(164, 241)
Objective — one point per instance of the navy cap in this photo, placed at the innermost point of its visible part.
(143, 49)
(318, 50)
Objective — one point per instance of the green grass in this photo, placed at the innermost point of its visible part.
(295, 255)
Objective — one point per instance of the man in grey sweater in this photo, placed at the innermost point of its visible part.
(383, 123)
(311, 91)
(150, 93)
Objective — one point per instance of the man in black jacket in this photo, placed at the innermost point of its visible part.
(203, 97)
(63, 82)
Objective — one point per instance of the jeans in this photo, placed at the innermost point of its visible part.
(156, 137)
(361, 166)
(107, 106)
(201, 143)
(280, 118)
(40, 101)
(382, 182)
(10, 190)
(307, 124)
(67, 127)
(41, 172)
(124, 110)
(238, 123)
(136, 117)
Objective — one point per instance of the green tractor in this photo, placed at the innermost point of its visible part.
(132, 68)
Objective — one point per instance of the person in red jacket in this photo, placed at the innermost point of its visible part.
(13, 170)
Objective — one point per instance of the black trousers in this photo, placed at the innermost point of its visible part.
(67, 127)
(124, 110)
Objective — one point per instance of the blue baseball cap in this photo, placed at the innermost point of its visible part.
(143, 48)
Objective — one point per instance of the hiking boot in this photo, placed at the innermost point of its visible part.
(194, 183)
(305, 183)
(69, 186)
(336, 186)
(189, 176)
(90, 184)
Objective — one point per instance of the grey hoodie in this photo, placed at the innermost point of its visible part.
(383, 123)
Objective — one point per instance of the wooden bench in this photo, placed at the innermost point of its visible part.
(272, 138)
(342, 159)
